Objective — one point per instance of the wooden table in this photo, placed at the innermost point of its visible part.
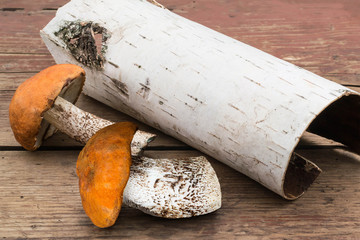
(38, 190)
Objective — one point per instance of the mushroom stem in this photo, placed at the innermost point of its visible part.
(81, 125)
(173, 188)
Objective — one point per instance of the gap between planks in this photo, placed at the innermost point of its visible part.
(78, 148)
(159, 148)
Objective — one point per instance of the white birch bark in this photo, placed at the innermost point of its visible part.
(236, 103)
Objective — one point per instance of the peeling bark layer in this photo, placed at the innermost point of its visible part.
(236, 103)
(82, 40)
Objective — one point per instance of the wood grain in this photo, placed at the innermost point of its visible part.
(19, 63)
(40, 199)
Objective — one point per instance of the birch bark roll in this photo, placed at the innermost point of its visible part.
(240, 105)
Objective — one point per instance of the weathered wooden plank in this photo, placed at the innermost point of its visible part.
(10, 81)
(10, 63)
(320, 36)
(29, 6)
(19, 30)
(39, 199)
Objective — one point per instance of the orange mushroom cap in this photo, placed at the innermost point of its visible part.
(36, 95)
(103, 168)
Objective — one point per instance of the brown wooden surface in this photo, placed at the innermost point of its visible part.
(38, 191)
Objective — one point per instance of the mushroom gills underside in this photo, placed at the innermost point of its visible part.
(70, 92)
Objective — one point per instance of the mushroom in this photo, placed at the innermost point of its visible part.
(172, 188)
(103, 168)
(46, 98)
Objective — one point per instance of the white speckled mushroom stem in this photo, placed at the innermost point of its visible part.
(173, 188)
(81, 125)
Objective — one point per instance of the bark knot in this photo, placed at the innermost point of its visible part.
(86, 41)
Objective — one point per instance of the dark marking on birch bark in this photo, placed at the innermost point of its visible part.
(197, 36)
(253, 81)
(282, 79)
(257, 161)
(113, 64)
(236, 108)
(232, 140)
(279, 91)
(219, 50)
(180, 35)
(188, 105)
(174, 54)
(198, 72)
(131, 44)
(170, 114)
(195, 99)
(319, 95)
(218, 40)
(149, 109)
(223, 126)
(214, 135)
(300, 96)
(80, 38)
(145, 89)
(271, 128)
(178, 26)
(275, 151)
(312, 83)
(112, 94)
(285, 107)
(138, 66)
(166, 68)
(120, 86)
(247, 60)
(166, 33)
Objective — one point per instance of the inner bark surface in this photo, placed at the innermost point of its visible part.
(340, 121)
